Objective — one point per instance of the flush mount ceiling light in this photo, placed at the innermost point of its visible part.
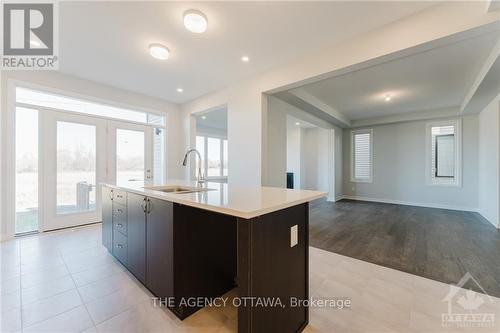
(159, 51)
(180, 90)
(195, 21)
(245, 59)
(297, 123)
(203, 117)
(387, 98)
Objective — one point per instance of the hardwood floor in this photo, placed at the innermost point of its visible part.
(438, 244)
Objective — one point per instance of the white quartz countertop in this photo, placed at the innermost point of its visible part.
(239, 201)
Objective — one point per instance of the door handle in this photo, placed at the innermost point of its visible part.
(120, 246)
(143, 205)
(148, 206)
(111, 194)
(119, 225)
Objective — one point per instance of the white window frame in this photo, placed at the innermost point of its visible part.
(353, 133)
(457, 179)
(205, 156)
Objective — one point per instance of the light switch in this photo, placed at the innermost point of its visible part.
(294, 235)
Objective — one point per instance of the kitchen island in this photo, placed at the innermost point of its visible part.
(189, 243)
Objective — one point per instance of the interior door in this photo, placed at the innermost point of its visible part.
(130, 150)
(75, 163)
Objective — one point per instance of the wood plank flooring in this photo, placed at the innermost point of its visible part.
(438, 244)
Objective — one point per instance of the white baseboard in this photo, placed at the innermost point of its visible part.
(411, 203)
(489, 219)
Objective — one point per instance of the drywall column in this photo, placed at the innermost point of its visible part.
(276, 143)
(489, 165)
(293, 153)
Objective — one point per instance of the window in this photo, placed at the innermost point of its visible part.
(443, 153)
(361, 163)
(214, 156)
(44, 99)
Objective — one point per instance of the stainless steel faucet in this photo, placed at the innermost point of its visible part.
(200, 178)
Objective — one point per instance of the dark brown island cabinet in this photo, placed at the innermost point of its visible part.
(180, 252)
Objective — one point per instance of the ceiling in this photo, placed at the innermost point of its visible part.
(213, 119)
(107, 42)
(438, 78)
(291, 122)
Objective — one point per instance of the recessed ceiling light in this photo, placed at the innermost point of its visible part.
(195, 21)
(159, 51)
(180, 90)
(34, 43)
(245, 59)
(203, 117)
(387, 98)
(297, 123)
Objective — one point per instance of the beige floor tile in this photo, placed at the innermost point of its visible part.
(110, 305)
(10, 301)
(89, 263)
(43, 276)
(93, 291)
(141, 319)
(45, 290)
(10, 285)
(96, 273)
(9, 272)
(42, 310)
(11, 321)
(75, 320)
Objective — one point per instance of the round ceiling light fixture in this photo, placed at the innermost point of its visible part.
(203, 117)
(245, 59)
(387, 98)
(297, 123)
(180, 90)
(159, 51)
(195, 21)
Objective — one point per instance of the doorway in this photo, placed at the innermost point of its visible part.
(310, 156)
(212, 143)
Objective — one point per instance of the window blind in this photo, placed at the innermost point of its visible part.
(362, 156)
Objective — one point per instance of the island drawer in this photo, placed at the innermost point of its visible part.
(120, 197)
(120, 247)
(120, 218)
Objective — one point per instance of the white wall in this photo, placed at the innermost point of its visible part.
(293, 154)
(399, 167)
(489, 167)
(315, 159)
(56, 81)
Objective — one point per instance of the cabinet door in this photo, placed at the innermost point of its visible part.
(136, 236)
(159, 248)
(107, 217)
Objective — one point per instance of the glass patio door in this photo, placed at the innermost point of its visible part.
(130, 150)
(74, 164)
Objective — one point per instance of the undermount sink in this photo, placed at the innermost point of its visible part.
(177, 189)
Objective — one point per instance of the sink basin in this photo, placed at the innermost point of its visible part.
(177, 189)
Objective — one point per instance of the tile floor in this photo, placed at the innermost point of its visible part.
(67, 282)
